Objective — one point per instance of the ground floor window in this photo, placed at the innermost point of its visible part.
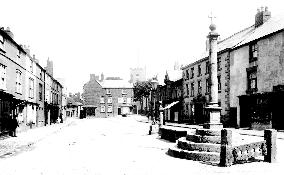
(109, 109)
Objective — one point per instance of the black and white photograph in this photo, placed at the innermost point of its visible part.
(141, 87)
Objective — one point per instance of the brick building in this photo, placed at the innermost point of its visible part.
(250, 76)
(108, 97)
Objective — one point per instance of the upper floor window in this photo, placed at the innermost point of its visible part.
(2, 77)
(41, 75)
(187, 89)
(124, 100)
(199, 87)
(187, 74)
(207, 67)
(18, 81)
(1, 43)
(192, 89)
(102, 100)
(207, 86)
(107, 91)
(123, 91)
(31, 66)
(40, 91)
(109, 100)
(199, 70)
(252, 80)
(219, 63)
(219, 83)
(31, 88)
(18, 53)
(192, 72)
(253, 52)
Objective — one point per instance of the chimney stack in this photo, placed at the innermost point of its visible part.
(262, 16)
(8, 31)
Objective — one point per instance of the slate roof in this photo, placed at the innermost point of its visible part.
(116, 84)
(247, 35)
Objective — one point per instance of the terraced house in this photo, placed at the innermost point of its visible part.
(22, 85)
(250, 76)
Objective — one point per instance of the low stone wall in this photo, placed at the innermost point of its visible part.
(234, 154)
(171, 134)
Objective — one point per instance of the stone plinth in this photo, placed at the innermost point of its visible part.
(214, 112)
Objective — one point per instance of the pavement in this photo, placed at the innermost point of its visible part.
(26, 139)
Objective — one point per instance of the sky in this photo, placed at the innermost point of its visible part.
(84, 37)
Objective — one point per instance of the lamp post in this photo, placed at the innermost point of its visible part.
(154, 84)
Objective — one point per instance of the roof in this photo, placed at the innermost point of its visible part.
(247, 35)
(116, 84)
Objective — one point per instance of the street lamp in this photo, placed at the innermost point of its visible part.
(154, 84)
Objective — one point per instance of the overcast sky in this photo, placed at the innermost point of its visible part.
(112, 36)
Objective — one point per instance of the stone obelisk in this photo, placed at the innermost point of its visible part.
(213, 109)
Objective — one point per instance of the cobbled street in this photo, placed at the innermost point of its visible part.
(118, 145)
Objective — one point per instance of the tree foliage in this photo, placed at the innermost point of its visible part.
(141, 89)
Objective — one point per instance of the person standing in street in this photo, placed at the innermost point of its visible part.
(14, 125)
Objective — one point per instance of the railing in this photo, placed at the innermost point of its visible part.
(235, 154)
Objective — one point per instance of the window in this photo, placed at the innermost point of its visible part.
(199, 87)
(252, 81)
(40, 91)
(107, 91)
(31, 66)
(2, 76)
(219, 83)
(187, 89)
(253, 52)
(192, 72)
(120, 100)
(207, 67)
(124, 100)
(18, 81)
(207, 86)
(199, 70)
(102, 100)
(103, 109)
(192, 89)
(109, 108)
(109, 100)
(1, 43)
(187, 74)
(123, 91)
(19, 53)
(31, 88)
(41, 75)
(219, 63)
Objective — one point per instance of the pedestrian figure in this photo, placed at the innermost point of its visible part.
(13, 126)
(60, 117)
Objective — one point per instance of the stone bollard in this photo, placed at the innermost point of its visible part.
(270, 139)
(226, 156)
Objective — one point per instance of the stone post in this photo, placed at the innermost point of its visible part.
(226, 156)
(270, 138)
(213, 108)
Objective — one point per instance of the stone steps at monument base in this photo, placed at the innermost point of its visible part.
(212, 157)
(182, 143)
(203, 139)
(208, 132)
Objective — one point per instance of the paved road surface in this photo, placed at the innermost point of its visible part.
(114, 146)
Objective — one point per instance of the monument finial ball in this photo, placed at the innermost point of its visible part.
(212, 27)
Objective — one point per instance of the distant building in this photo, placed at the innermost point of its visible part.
(171, 96)
(108, 97)
(137, 74)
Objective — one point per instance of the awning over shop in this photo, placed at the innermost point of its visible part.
(170, 105)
